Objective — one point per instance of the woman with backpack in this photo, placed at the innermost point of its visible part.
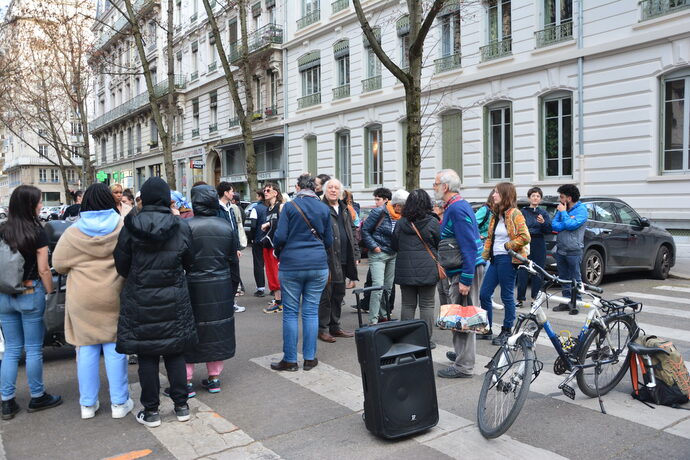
(507, 231)
(92, 307)
(21, 315)
(274, 202)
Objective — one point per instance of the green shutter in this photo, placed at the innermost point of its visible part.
(540, 132)
(451, 132)
(365, 143)
(486, 144)
(337, 154)
(311, 156)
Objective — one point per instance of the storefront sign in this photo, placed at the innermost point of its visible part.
(188, 153)
(196, 164)
(101, 176)
(270, 175)
(235, 178)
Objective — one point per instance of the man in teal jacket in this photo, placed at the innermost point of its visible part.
(570, 222)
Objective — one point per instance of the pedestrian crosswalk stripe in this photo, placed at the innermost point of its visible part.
(673, 288)
(662, 298)
(454, 436)
(206, 434)
(674, 312)
(617, 403)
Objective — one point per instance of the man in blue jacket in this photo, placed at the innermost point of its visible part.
(570, 222)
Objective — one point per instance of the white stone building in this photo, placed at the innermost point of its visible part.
(593, 93)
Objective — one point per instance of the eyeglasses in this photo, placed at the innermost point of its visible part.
(436, 184)
(268, 190)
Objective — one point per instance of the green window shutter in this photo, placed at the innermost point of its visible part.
(451, 133)
(540, 133)
(486, 144)
(337, 154)
(311, 156)
(367, 174)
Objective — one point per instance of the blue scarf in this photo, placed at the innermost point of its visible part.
(98, 223)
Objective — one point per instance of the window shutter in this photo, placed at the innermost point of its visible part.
(451, 132)
(311, 156)
(195, 47)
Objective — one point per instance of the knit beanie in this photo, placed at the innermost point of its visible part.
(155, 192)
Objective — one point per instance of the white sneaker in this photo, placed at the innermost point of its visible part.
(239, 309)
(89, 411)
(497, 306)
(121, 410)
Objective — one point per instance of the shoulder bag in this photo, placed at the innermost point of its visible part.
(449, 256)
(441, 271)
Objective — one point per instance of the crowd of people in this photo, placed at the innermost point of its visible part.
(152, 275)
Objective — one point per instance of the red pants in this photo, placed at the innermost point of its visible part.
(271, 264)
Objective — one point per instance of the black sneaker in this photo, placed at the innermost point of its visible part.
(562, 307)
(9, 409)
(260, 293)
(44, 402)
(574, 311)
(132, 360)
(190, 391)
(150, 419)
(212, 385)
(501, 338)
(451, 355)
(519, 304)
(182, 413)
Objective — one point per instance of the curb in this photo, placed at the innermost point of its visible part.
(680, 276)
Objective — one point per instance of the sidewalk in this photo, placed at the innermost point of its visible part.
(681, 269)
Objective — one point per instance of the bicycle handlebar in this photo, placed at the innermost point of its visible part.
(531, 265)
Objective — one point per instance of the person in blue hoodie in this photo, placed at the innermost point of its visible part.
(570, 222)
(303, 237)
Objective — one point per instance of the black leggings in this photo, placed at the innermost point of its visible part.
(150, 381)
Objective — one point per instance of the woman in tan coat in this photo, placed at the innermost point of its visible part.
(92, 309)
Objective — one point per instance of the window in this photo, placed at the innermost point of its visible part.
(450, 34)
(122, 144)
(310, 70)
(373, 65)
(558, 22)
(114, 146)
(235, 161)
(54, 176)
(341, 53)
(256, 15)
(403, 28)
(43, 175)
(211, 52)
(155, 170)
(138, 138)
(232, 31)
(154, 133)
(311, 81)
(213, 112)
(258, 97)
(130, 142)
(71, 176)
(312, 166)
(676, 123)
(274, 92)
(499, 142)
(451, 138)
(195, 61)
(104, 157)
(342, 158)
(195, 117)
(43, 150)
(557, 135)
(604, 212)
(627, 215)
(499, 20)
(374, 155)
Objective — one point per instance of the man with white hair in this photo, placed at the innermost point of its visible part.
(343, 257)
(459, 223)
(377, 232)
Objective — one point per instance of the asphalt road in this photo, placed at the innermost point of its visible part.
(318, 414)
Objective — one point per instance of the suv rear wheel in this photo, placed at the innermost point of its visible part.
(593, 267)
(662, 265)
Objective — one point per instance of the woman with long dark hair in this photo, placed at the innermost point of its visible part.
(21, 315)
(92, 308)
(415, 239)
(507, 231)
(274, 201)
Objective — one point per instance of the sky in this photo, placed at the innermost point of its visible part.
(3, 7)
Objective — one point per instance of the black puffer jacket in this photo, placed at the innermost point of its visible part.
(153, 249)
(413, 265)
(214, 245)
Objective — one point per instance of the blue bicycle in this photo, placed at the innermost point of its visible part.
(597, 357)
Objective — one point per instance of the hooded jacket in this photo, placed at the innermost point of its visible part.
(92, 305)
(214, 245)
(413, 264)
(152, 252)
(571, 226)
(377, 230)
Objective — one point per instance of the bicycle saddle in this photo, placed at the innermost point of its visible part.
(642, 350)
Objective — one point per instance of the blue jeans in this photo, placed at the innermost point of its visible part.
(21, 317)
(569, 269)
(501, 271)
(305, 287)
(88, 365)
(382, 266)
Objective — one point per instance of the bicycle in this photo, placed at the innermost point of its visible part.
(597, 357)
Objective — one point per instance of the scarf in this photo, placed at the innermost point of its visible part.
(391, 210)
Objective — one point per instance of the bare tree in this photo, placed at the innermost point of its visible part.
(410, 78)
(244, 111)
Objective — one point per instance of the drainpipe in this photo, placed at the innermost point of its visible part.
(284, 161)
(580, 97)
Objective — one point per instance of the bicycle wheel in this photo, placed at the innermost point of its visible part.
(505, 388)
(595, 348)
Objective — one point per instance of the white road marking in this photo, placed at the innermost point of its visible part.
(674, 312)
(207, 434)
(454, 436)
(616, 403)
(674, 288)
(662, 298)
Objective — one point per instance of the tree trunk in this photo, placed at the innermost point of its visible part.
(167, 147)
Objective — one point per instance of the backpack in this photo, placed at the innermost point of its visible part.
(12, 263)
(672, 378)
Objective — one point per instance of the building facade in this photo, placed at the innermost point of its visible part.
(207, 142)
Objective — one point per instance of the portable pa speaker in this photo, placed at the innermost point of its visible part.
(398, 378)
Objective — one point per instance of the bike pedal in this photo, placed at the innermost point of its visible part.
(568, 391)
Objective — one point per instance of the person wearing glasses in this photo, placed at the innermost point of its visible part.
(273, 202)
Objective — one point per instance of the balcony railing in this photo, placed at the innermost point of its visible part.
(371, 84)
(267, 35)
(110, 32)
(234, 121)
(495, 50)
(212, 66)
(339, 5)
(447, 63)
(554, 33)
(136, 103)
(271, 111)
(195, 132)
(308, 101)
(309, 19)
(213, 127)
(341, 91)
(179, 137)
(654, 8)
(193, 18)
(194, 76)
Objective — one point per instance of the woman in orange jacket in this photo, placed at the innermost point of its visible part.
(507, 230)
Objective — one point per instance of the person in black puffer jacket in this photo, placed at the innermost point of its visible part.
(214, 248)
(415, 270)
(152, 252)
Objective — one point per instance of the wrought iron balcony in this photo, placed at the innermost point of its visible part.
(654, 8)
(136, 103)
(235, 121)
(447, 63)
(139, 7)
(341, 91)
(371, 84)
(308, 19)
(554, 33)
(195, 132)
(308, 101)
(270, 34)
(271, 111)
(339, 5)
(212, 66)
(213, 127)
(194, 76)
(495, 50)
